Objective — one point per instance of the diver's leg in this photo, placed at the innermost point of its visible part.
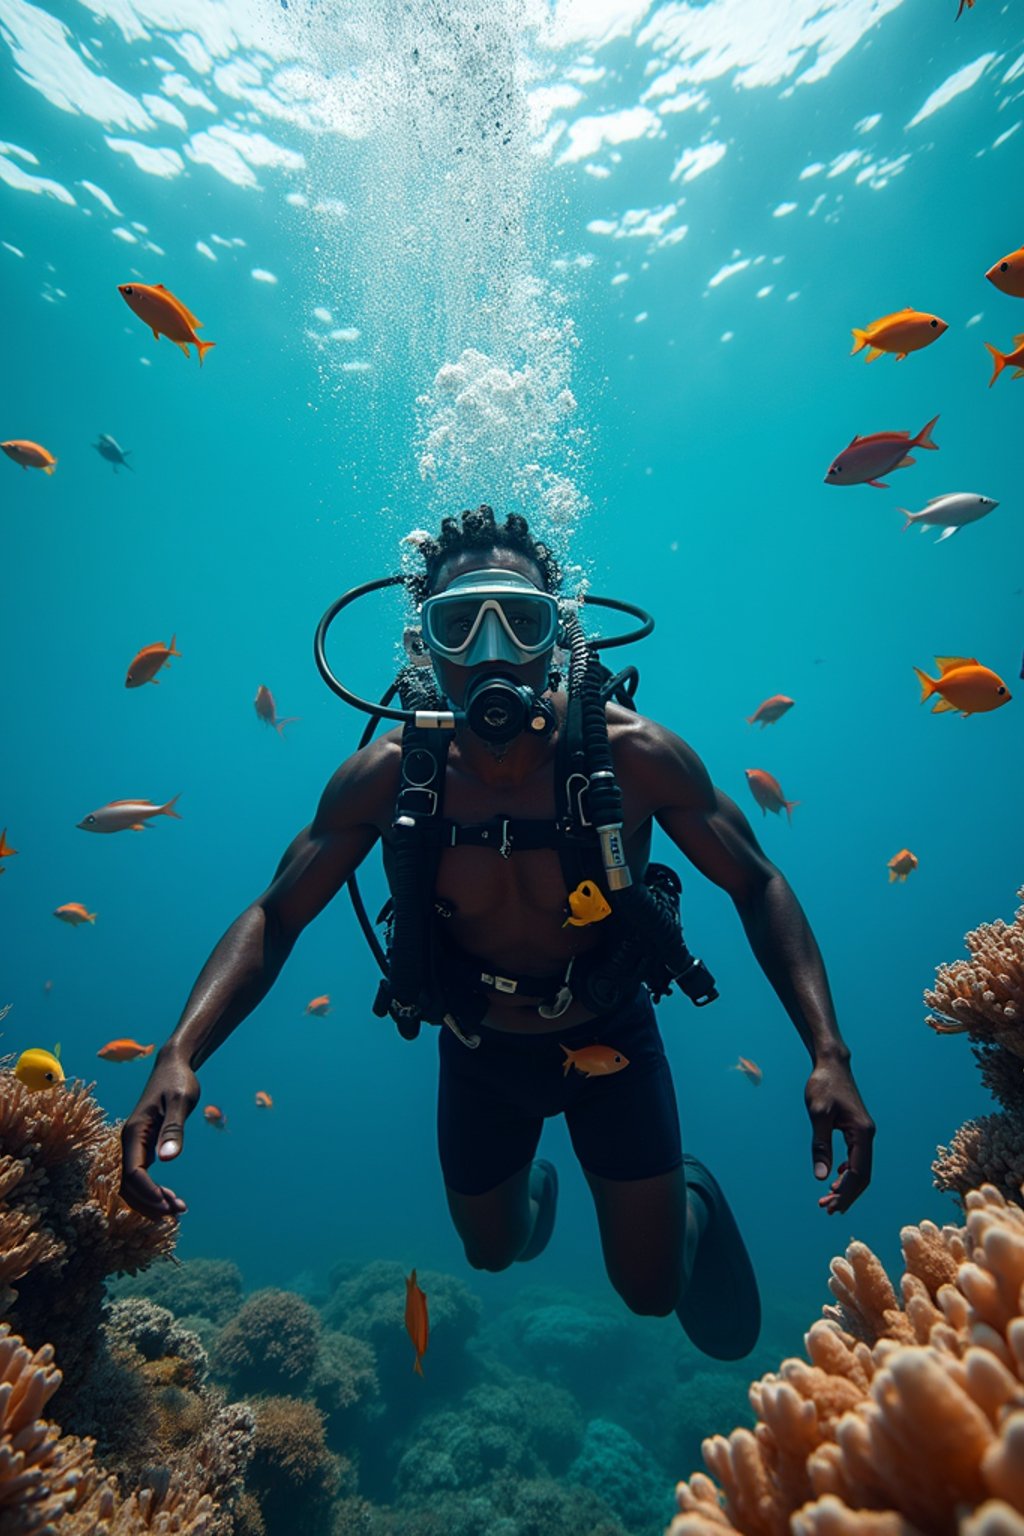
(486, 1143)
(669, 1239)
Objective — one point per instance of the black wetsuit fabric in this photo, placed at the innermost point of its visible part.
(492, 1101)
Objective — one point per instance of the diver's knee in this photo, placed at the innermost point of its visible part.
(648, 1304)
(494, 1260)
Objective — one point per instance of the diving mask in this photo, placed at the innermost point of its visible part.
(490, 616)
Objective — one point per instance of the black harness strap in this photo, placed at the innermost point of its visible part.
(506, 834)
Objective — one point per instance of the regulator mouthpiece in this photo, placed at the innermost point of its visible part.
(498, 709)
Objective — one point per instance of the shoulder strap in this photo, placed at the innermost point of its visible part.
(578, 850)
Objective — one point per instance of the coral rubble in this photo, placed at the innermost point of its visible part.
(908, 1416)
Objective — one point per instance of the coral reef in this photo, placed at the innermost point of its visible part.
(620, 1471)
(150, 1447)
(345, 1384)
(63, 1225)
(293, 1475)
(270, 1345)
(983, 997)
(50, 1483)
(206, 1288)
(907, 1418)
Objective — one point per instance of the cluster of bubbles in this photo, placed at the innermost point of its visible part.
(446, 240)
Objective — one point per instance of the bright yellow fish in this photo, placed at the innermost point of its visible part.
(38, 1069)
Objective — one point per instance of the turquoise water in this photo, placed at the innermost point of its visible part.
(658, 255)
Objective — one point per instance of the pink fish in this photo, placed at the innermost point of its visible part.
(866, 459)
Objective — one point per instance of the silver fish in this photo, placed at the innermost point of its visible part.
(120, 815)
(950, 513)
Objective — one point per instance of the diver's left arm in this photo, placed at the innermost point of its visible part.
(716, 837)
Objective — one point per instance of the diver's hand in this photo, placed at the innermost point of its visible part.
(834, 1104)
(156, 1128)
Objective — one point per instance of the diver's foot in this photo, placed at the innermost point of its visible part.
(543, 1189)
(721, 1311)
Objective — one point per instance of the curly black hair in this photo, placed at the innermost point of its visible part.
(479, 531)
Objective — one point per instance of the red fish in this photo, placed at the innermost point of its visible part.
(147, 663)
(593, 1060)
(263, 1100)
(767, 791)
(267, 710)
(750, 1069)
(215, 1117)
(864, 460)
(319, 1006)
(124, 1050)
(417, 1323)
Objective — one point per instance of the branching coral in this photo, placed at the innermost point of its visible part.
(293, 1474)
(983, 997)
(344, 1383)
(906, 1418)
(63, 1225)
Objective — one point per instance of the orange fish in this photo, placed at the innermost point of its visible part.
(267, 710)
(771, 710)
(1008, 275)
(124, 1050)
(29, 455)
(907, 330)
(320, 1006)
(1014, 359)
(963, 684)
(147, 663)
(767, 791)
(750, 1069)
(900, 865)
(165, 315)
(969, 4)
(215, 1117)
(6, 851)
(417, 1324)
(593, 1060)
(263, 1100)
(74, 913)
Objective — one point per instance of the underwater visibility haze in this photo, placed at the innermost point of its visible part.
(633, 270)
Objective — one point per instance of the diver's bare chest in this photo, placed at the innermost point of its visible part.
(481, 881)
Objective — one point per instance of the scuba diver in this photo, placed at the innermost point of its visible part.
(515, 807)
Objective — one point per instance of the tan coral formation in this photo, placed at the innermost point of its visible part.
(908, 1417)
(984, 996)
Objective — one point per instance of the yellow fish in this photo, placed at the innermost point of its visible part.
(908, 330)
(38, 1069)
(963, 684)
(594, 1060)
(586, 905)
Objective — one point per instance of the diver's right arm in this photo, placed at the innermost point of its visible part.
(357, 802)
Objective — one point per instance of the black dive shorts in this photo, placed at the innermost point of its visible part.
(492, 1101)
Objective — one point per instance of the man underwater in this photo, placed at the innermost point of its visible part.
(547, 1005)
